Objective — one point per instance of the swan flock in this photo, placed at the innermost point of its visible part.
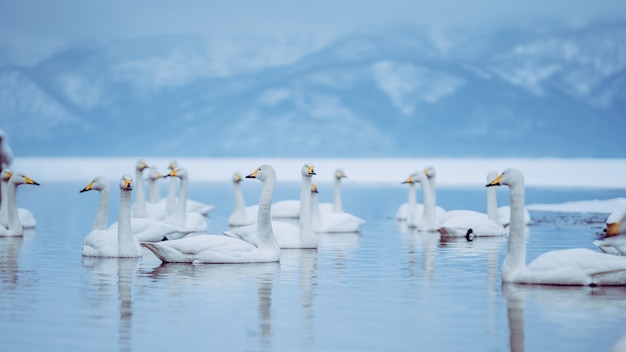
(173, 228)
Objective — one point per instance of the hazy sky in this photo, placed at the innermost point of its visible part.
(84, 19)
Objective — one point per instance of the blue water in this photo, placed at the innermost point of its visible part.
(383, 289)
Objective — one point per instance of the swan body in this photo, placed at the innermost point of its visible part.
(331, 222)
(118, 243)
(288, 235)
(456, 223)
(27, 219)
(242, 215)
(181, 217)
(572, 267)
(222, 249)
(14, 228)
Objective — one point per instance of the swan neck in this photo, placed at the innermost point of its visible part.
(492, 205)
(433, 189)
(307, 234)
(153, 188)
(15, 225)
(181, 206)
(265, 233)
(125, 240)
(4, 210)
(337, 206)
(171, 195)
(140, 196)
(100, 223)
(240, 204)
(428, 217)
(516, 250)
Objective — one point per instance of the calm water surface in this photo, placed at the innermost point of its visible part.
(386, 288)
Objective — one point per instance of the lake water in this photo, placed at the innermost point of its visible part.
(384, 289)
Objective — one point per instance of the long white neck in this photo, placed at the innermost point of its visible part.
(125, 241)
(429, 218)
(15, 226)
(411, 202)
(337, 206)
(100, 223)
(433, 189)
(240, 204)
(492, 205)
(316, 214)
(171, 196)
(265, 233)
(154, 194)
(516, 249)
(307, 234)
(179, 218)
(4, 210)
(140, 196)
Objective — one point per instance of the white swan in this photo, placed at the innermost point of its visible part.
(573, 267)
(14, 228)
(410, 206)
(118, 243)
(288, 235)
(431, 174)
(411, 209)
(242, 215)
(427, 220)
(27, 219)
(614, 241)
(144, 229)
(457, 223)
(181, 217)
(139, 207)
(331, 222)
(337, 205)
(191, 206)
(223, 249)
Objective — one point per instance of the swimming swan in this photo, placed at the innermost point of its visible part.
(181, 217)
(427, 220)
(288, 235)
(457, 223)
(191, 206)
(573, 267)
(139, 207)
(118, 243)
(222, 249)
(145, 229)
(331, 222)
(26, 216)
(242, 215)
(15, 228)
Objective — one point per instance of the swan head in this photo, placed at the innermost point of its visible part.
(6, 175)
(20, 179)
(429, 171)
(509, 177)
(126, 183)
(154, 173)
(237, 177)
(314, 188)
(263, 172)
(339, 174)
(98, 183)
(180, 173)
(172, 165)
(308, 170)
(141, 165)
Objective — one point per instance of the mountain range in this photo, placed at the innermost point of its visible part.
(537, 91)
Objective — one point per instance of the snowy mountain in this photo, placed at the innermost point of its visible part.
(404, 92)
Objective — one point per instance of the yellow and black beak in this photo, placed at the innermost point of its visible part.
(172, 173)
(495, 182)
(89, 187)
(408, 180)
(310, 170)
(314, 188)
(30, 181)
(613, 229)
(254, 174)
